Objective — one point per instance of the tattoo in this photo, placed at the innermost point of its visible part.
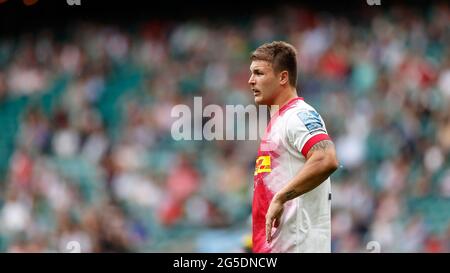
(291, 194)
(321, 145)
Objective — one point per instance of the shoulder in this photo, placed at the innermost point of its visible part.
(305, 116)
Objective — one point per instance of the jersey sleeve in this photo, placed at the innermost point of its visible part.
(305, 128)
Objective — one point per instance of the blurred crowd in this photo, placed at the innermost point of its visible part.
(88, 112)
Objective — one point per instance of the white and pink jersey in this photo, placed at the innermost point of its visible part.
(306, 221)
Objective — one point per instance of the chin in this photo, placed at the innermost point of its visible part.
(259, 101)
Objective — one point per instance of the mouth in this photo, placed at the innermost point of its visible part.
(256, 92)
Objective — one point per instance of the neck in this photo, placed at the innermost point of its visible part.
(282, 99)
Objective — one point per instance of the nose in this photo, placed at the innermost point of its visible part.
(251, 81)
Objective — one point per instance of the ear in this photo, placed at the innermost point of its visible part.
(284, 77)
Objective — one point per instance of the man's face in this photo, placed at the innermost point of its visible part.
(263, 82)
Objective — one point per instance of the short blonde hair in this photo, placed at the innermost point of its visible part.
(281, 55)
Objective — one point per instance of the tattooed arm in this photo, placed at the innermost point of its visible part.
(320, 163)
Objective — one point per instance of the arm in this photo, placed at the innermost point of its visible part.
(321, 162)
